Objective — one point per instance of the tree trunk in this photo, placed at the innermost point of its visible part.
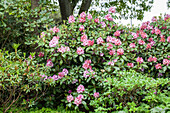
(65, 9)
(34, 4)
(85, 6)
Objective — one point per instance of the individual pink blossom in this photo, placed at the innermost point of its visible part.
(112, 52)
(55, 77)
(83, 38)
(139, 59)
(111, 63)
(154, 19)
(31, 57)
(130, 64)
(101, 54)
(55, 29)
(143, 34)
(85, 43)
(162, 39)
(69, 91)
(110, 46)
(83, 15)
(65, 71)
(86, 65)
(166, 62)
(96, 20)
(80, 51)
(85, 74)
(54, 42)
(96, 94)
(135, 36)
(89, 16)
(120, 51)
(117, 33)
(100, 40)
(111, 10)
(166, 17)
(141, 42)
(80, 89)
(153, 31)
(77, 101)
(103, 24)
(109, 17)
(90, 42)
(81, 28)
(150, 39)
(75, 81)
(154, 59)
(70, 98)
(157, 31)
(148, 46)
(41, 54)
(118, 42)
(108, 39)
(88, 61)
(132, 45)
(42, 34)
(80, 96)
(158, 66)
(168, 39)
(150, 59)
(49, 63)
(61, 75)
(63, 49)
(71, 19)
(82, 20)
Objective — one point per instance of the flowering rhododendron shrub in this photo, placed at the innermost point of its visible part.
(91, 49)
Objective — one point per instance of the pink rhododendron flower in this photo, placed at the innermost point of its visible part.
(96, 20)
(110, 46)
(162, 39)
(55, 29)
(166, 17)
(42, 34)
(77, 101)
(157, 31)
(89, 16)
(132, 45)
(65, 71)
(135, 36)
(85, 43)
(148, 46)
(150, 59)
(85, 74)
(81, 28)
(70, 98)
(63, 49)
(117, 33)
(41, 54)
(49, 63)
(80, 96)
(166, 62)
(96, 94)
(111, 63)
(143, 34)
(108, 39)
(101, 54)
(83, 15)
(80, 50)
(154, 59)
(117, 42)
(103, 24)
(83, 38)
(168, 39)
(139, 59)
(61, 75)
(153, 31)
(80, 89)
(130, 64)
(150, 39)
(100, 40)
(141, 42)
(71, 19)
(154, 19)
(120, 51)
(82, 20)
(90, 42)
(75, 81)
(85, 65)
(109, 17)
(158, 66)
(111, 10)
(55, 77)
(31, 57)
(54, 41)
(112, 52)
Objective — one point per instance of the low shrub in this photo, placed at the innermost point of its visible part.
(21, 83)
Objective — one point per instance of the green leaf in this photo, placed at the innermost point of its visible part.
(81, 58)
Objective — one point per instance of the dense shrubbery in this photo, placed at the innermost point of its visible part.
(19, 23)
(96, 65)
(86, 50)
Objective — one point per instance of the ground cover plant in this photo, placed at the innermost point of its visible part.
(86, 50)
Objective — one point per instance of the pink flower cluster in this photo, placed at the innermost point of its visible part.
(150, 59)
(111, 10)
(82, 18)
(109, 17)
(63, 49)
(158, 66)
(120, 51)
(139, 59)
(80, 51)
(54, 41)
(96, 94)
(78, 100)
(85, 41)
(117, 33)
(130, 64)
(71, 19)
(49, 63)
(70, 98)
(166, 62)
(55, 29)
(100, 40)
(80, 89)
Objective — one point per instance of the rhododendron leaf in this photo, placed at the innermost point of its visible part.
(164, 69)
(61, 62)
(85, 105)
(81, 58)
